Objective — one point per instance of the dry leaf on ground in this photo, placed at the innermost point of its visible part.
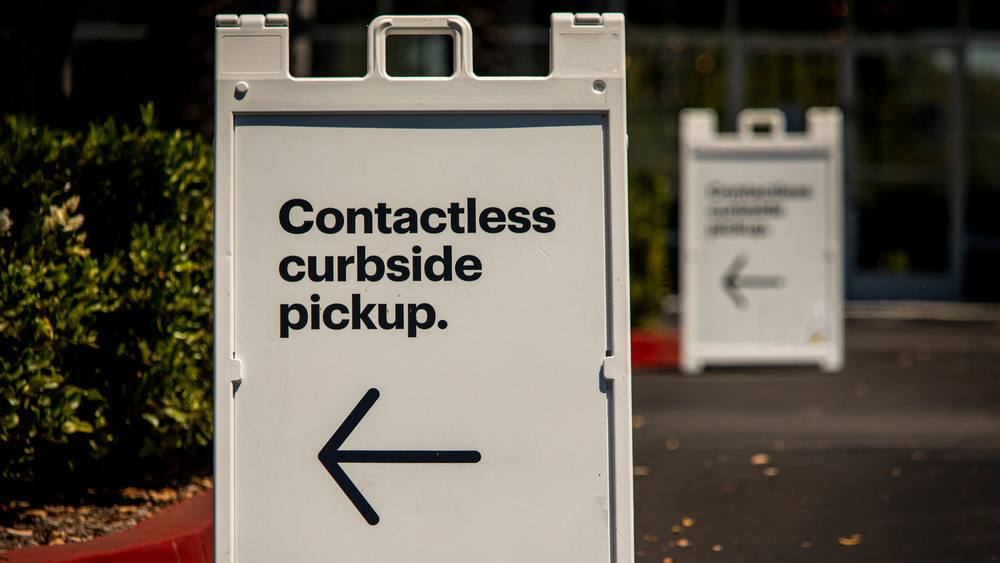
(851, 541)
(20, 532)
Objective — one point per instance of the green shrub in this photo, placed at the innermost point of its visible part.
(649, 198)
(105, 296)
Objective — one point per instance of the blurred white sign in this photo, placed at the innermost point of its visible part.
(761, 266)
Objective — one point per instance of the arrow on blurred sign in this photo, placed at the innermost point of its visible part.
(733, 281)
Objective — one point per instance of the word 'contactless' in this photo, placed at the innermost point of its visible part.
(298, 216)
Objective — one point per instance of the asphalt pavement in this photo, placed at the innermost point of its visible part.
(896, 458)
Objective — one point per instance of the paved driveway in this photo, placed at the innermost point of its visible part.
(897, 458)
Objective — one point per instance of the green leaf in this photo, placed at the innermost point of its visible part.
(10, 421)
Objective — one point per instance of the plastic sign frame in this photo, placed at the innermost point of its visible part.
(293, 156)
(762, 239)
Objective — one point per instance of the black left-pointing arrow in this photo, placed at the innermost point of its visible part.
(733, 280)
(331, 456)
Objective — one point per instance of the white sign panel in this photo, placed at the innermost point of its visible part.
(422, 325)
(762, 273)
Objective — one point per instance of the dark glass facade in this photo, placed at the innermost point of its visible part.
(918, 81)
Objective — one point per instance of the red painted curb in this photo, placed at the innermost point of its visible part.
(181, 533)
(655, 349)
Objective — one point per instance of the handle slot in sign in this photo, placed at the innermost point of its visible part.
(456, 27)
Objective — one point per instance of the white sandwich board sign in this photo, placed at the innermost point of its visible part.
(761, 224)
(422, 336)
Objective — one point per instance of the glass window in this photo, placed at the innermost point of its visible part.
(340, 51)
(526, 59)
(419, 55)
(344, 13)
(903, 102)
(662, 79)
(793, 15)
(704, 14)
(119, 11)
(879, 16)
(903, 125)
(984, 141)
(790, 81)
(983, 196)
(982, 269)
(903, 227)
(981, 14)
